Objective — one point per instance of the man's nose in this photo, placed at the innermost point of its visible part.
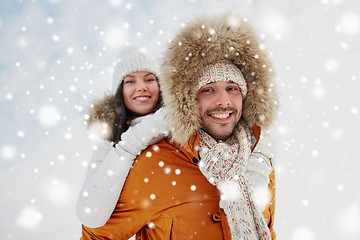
(223, 98)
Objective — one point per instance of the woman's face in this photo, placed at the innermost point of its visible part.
(140, 92)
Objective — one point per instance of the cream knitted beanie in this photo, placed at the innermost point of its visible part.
(223, 71)
(132, 61)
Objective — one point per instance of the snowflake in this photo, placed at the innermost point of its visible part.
(30, 217)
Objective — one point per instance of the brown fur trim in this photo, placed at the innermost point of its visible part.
(103, 111)
(202, 42)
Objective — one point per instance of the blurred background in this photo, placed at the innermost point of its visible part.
(57, 56)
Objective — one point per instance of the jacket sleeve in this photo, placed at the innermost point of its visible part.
(259, 168)
(131, 212)
(258, 171)
(109, 167)
(261, 173)
(104, 180)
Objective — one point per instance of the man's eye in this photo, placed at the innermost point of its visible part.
(232, 88)
(207, 90)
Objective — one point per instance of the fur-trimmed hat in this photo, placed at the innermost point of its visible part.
(132, 61)
(205, 41)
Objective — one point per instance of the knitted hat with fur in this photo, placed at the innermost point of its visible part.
(205, 41)
(132, 61)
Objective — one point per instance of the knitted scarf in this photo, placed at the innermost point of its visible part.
(223, 164)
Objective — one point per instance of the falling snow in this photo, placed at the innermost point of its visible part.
(301, 233)
(8, 152)
(58, 57)
(29, 217)
(151, 225)
(49, 116)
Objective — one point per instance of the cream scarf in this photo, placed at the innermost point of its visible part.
(223, 164)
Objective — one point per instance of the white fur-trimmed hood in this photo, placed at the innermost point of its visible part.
(204, 41)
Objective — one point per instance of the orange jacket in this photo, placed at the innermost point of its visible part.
(167, 197)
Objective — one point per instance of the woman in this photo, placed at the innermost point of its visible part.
(135, 93)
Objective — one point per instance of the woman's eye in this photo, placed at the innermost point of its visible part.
(129, 81)
(150, 80)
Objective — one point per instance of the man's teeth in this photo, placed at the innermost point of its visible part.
(221, 116)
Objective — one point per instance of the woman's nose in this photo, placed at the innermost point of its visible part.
(141, 86)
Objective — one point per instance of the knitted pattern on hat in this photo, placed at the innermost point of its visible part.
(223, 71)
(131, 62)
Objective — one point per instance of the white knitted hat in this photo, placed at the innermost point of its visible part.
(130, 62)
(222, 71)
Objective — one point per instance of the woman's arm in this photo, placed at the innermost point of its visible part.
(105, 177)
(109, 167)
(259, 167)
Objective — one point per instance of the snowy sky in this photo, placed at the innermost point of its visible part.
(57, 56)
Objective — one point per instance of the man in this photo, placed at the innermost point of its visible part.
(218, 90)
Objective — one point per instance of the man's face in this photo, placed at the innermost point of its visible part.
(220, 106)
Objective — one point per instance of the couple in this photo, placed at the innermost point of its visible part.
(196, 180)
